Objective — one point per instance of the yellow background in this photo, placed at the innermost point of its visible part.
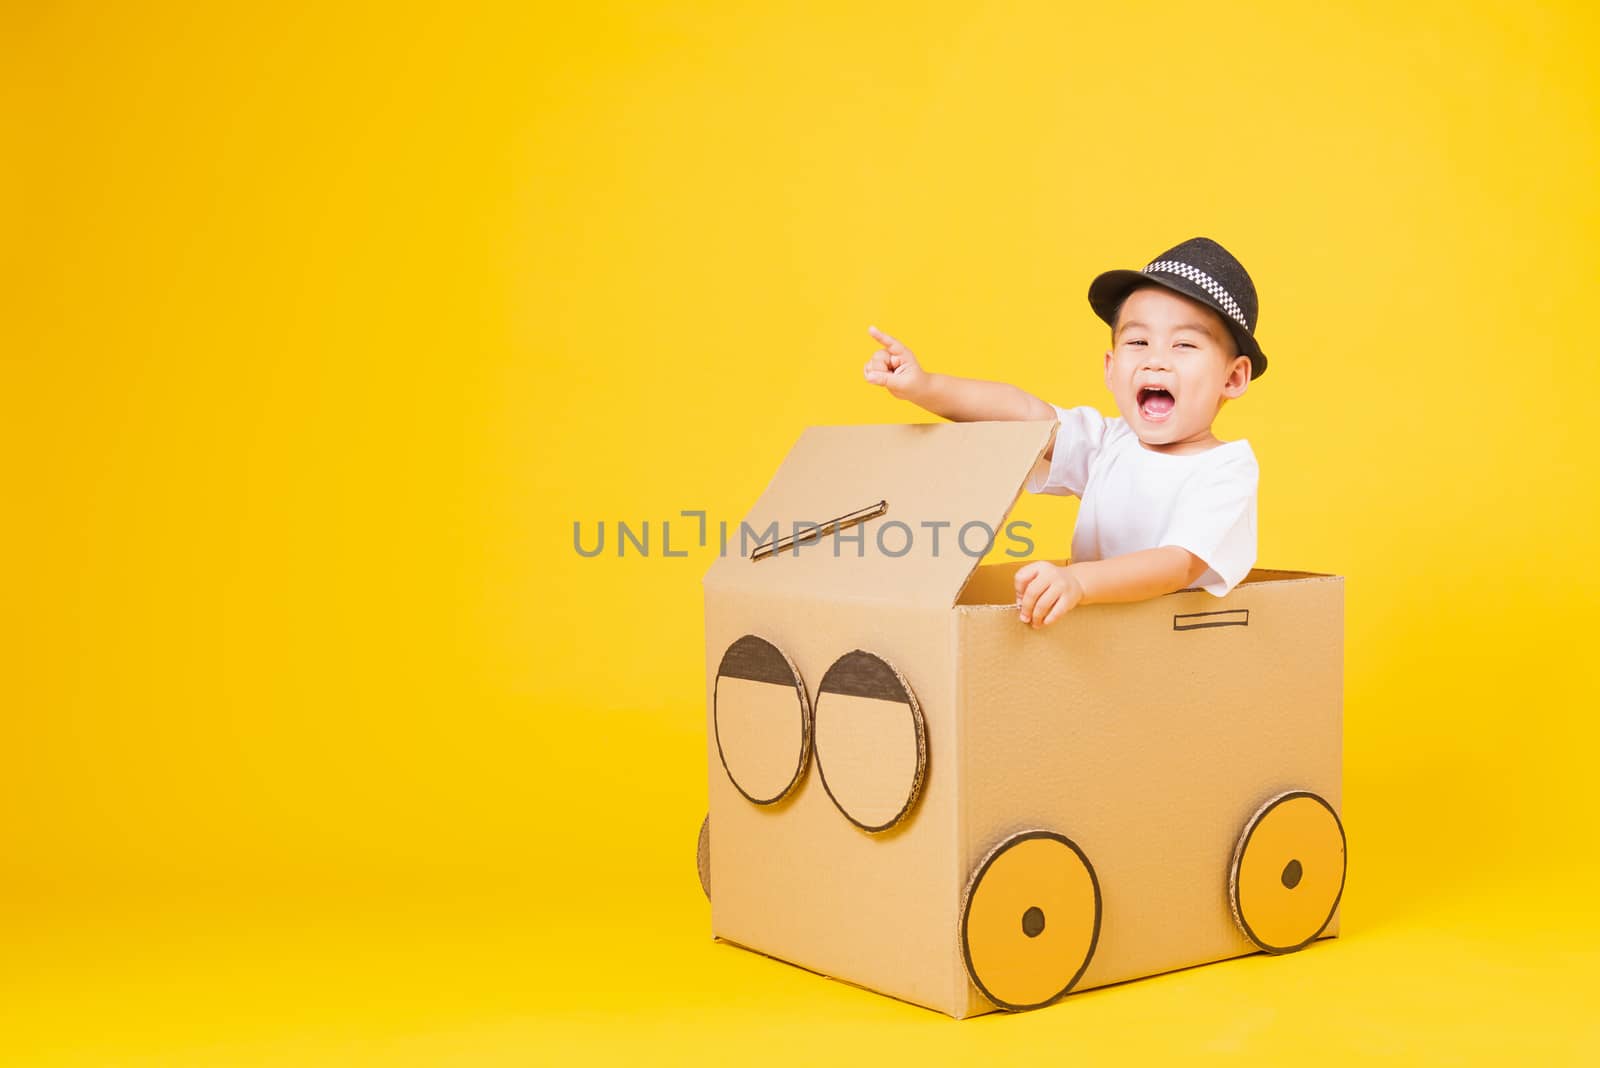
(323, 324)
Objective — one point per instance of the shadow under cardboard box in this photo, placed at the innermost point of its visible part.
(912, 792)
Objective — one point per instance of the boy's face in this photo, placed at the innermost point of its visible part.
(1171, 364)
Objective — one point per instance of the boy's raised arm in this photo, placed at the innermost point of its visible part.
(961, 400)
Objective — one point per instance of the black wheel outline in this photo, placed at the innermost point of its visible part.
(1238, 858)
(966, 913)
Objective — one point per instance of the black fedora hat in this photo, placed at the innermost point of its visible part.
(1199, 269)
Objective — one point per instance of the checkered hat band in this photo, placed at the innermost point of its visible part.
(1205, 282)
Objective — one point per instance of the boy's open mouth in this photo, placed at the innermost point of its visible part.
(1155, 404)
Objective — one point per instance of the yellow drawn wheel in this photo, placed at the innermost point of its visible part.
(1288, 872)
(1031, 920)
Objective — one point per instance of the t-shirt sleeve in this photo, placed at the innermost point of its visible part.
(1082, 433)
(1215, 518)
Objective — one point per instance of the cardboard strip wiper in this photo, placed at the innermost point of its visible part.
(860, 515)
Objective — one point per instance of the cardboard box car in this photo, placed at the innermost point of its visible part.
(912, 791)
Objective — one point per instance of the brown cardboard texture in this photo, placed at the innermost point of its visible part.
(1103, 799)
(702, 857)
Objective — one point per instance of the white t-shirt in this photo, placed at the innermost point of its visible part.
(1136, 499)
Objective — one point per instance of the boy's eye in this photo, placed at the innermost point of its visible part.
(1136, 341)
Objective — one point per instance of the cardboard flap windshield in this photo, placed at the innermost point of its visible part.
(897, 513)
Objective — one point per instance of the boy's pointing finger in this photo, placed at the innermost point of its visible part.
(881, 336)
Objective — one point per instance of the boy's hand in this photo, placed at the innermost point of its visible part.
(1046, 592)
(895, 368)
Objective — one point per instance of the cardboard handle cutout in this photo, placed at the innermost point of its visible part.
(1228, 617)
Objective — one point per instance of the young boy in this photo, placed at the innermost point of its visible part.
(1166, 505)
